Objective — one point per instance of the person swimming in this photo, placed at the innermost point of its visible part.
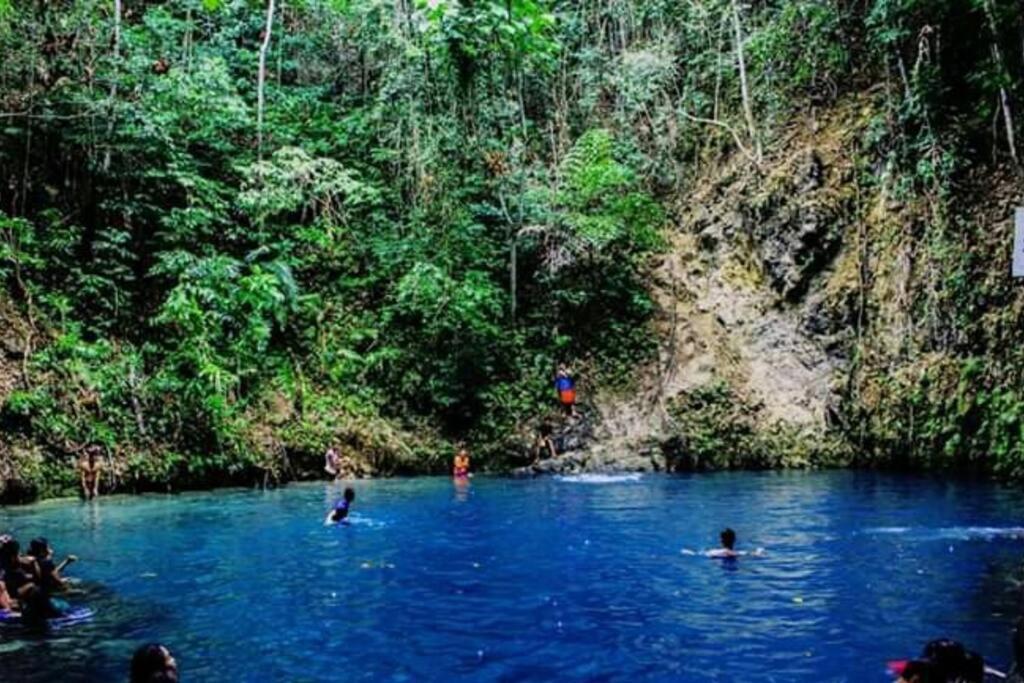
(339, 513)
(944, 660)
(153, 663)
(460, 465)
(728, 549)
(47, 572)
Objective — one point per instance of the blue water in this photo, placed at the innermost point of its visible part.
(572, 579)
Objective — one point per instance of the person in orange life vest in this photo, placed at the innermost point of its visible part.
(566, 388)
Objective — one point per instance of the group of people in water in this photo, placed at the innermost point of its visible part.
(30, 582)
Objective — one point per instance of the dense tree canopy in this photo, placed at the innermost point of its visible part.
(243, 229)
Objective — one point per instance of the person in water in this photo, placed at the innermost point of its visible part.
(153, 663)
(339, 513)
(460, 465)
(565, 385)
(18, 572)
(728, 548)
(943, 660)
(37, 607)
(89, 470)
(47, 572)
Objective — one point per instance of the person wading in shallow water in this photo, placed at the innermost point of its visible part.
(89, 470)
(460, 465)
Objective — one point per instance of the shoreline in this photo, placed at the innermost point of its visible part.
(515, 474)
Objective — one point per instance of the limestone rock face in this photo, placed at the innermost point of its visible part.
(753, 293)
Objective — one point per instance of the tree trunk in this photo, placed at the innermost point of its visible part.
(113, 84)
(748, 110)
(1004, 96)
(262, 78)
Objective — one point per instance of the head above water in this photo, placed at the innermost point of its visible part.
(39, 548)
(953, 662)
(349, 494)
(9, 552)
(728, 538)
(152, 663)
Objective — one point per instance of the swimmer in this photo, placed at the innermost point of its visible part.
(339, 513)
(47, 573)
(152, 663)
(460, 466)
(728, 550)
(944, 660)
(18, 572)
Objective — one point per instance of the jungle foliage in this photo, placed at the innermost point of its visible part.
(242, 231)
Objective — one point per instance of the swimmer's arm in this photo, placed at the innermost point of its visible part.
(70, 559)
(328, 521)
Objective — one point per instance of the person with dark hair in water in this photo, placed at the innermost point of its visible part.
(153, 663)
(728, 549)
(339, 513)
(954, 662)
(18, 572)
(47, 573)
(942, 661)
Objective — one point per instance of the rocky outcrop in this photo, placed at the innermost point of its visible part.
(751, 295)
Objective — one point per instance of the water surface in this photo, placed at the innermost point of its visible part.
(577, 579)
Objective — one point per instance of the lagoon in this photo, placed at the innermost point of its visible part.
(573, 579)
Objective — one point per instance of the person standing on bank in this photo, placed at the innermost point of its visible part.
(89, 470)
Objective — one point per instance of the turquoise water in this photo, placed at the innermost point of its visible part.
(573, 579)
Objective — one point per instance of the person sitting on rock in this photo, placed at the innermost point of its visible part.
(331, 461)
(544, 445)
